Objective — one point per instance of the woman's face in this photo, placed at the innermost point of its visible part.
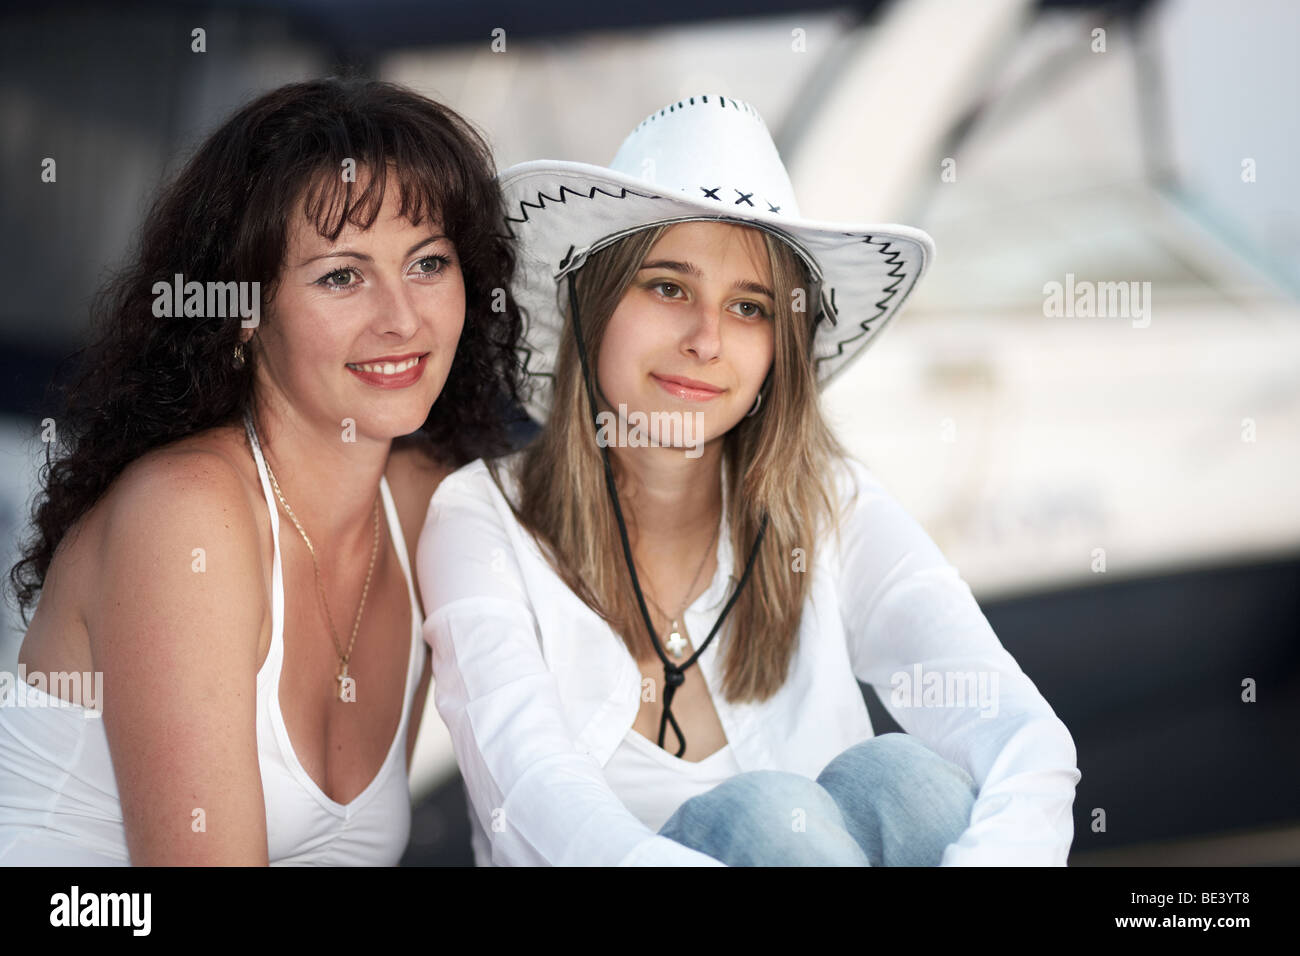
(693, 333)
(365, 328)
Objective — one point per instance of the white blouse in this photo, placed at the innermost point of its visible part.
(539, 693)
(653, 783)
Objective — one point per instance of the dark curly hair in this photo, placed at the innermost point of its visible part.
(145, 382)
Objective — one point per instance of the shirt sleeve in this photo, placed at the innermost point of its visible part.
(906, 607)
(538, 798)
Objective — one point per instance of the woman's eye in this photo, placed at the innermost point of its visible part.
(427, 266)
(325, 279)
(669, 289)
(755, 310)
(439, 264)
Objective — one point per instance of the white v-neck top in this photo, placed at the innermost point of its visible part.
(539, 694)
(652, 783)
(58, 794)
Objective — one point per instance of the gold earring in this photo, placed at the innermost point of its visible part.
(239, 356)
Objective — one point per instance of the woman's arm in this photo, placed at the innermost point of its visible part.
(175, 633)
(904, 606)
(539, 799)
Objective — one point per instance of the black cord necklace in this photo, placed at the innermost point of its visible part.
(674, 674)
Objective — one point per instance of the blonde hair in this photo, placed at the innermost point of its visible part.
(776, 462)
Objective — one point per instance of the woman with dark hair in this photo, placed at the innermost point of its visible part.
(262, 680)
(649, 627)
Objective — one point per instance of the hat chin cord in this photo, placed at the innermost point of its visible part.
(674, 674)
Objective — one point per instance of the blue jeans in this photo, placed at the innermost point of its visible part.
(887, 801)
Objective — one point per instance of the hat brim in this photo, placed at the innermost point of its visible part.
(559, 212)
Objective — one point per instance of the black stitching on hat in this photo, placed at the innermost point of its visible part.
(744, 197)
(770, 207)
(712, 193)
(892, 256)
(722, 102)
(542, 198)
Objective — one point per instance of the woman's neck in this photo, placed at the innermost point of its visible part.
(670, 500)
(329, 483)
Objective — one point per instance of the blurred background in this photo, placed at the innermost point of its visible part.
(1120, 490)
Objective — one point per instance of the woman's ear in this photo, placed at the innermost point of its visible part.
(246, 333)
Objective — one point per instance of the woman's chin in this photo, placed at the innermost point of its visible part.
(389, 423)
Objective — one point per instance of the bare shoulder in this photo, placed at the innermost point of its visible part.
(194, 478)
(187, 503)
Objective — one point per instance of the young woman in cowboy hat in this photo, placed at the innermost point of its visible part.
(647, 640)
(263, 677)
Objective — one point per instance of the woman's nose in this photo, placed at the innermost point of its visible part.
(704, 338)
(396, 311)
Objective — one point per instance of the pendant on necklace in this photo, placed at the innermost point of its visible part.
(675, 642)
(347, 684)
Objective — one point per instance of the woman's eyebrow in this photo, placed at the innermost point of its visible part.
(688, 268)
(362, 256)
(691, 269)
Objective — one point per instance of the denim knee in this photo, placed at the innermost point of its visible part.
(893, 757)
(902, 801)
(766, 817)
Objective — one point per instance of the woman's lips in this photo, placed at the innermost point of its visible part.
(396, 379)
(687, 392)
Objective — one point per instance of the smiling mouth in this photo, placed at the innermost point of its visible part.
(688, 390)
(387, 368)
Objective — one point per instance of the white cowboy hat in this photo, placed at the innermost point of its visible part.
(701, 158)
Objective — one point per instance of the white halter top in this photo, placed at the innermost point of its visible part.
(58, 794)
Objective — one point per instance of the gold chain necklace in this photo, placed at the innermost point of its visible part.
(675, 643)
(346, 681)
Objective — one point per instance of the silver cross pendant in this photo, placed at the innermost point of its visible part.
(675, 642)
